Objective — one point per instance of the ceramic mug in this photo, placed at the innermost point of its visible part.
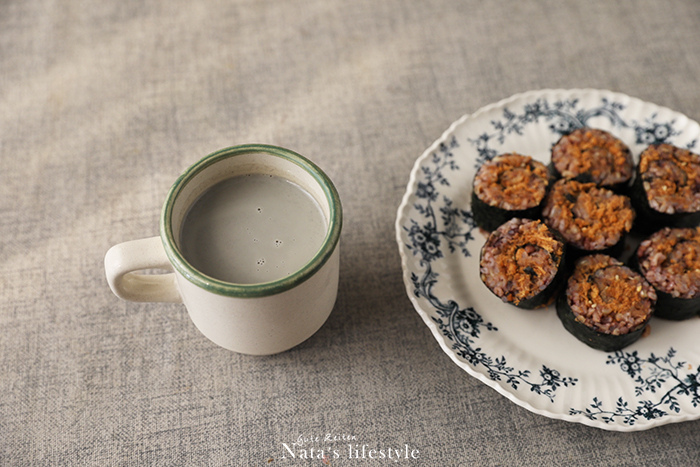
(258, 319)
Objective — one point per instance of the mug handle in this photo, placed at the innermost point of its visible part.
(124, 260)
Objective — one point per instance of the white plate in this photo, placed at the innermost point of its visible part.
(526, 355)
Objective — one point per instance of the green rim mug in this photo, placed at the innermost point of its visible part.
(258, 319)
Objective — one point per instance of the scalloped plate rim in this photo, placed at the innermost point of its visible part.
(401, 213)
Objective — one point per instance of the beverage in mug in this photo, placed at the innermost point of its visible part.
(251, 236)
(252, 229)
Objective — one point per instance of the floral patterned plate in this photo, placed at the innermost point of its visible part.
(526, 355)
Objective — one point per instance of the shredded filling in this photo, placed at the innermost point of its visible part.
(589, 217)
(520, 259)
(609, 297)
(671, 178)
(670, 260)
(595, 153)
(512, 182)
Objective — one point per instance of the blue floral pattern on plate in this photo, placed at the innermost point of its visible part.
(440, 243)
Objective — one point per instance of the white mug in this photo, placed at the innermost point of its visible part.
(257, 319)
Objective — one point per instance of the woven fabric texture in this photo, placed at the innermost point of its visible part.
(104, 104)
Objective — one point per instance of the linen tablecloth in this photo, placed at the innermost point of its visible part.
(102, 106)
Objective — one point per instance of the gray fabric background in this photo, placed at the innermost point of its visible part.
(103, 104)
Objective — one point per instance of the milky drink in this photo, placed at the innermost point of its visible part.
(252, 229)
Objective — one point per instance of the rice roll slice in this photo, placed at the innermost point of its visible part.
(522, 263)
(670, 261)
(605, 305)
(666, 189)
(593, 155)
(510, 185)
(590, 218)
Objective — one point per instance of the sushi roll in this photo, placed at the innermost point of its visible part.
(510, 185)
(606, 304)
(592, 155)
(590, 218)
(666, 190)
(670, 260)
(522, 263)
